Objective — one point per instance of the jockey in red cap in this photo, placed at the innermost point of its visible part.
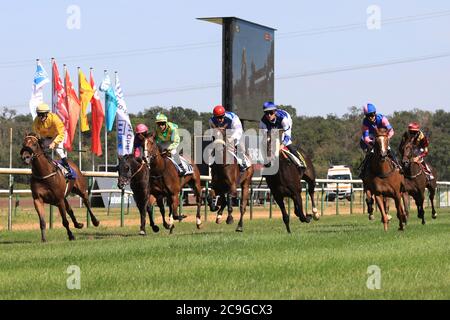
(139, 137)
(230, 121)
(420, 143)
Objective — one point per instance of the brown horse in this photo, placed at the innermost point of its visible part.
(383, 179)
(48, 185)
(134, 171)
(286, 182)
(165, 182)
(225, 178)
(416, 180)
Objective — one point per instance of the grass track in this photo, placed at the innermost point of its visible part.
(327, 259)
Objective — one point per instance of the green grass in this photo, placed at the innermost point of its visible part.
(327, 259)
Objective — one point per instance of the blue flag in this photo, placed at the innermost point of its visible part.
(110, 101)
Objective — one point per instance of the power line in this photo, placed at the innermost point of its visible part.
(202, 45)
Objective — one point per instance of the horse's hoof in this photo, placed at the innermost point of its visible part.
(79, 226)
(230, 220)
(219, 219)
(142, 233)
(199, 226)
(171, 228)
(96, 223)
(316, 216)
(401, 229)
(166, 225)
(239, 229)
(371, 217)
(423, 222)
(72, 238)
(306, 219)
(434, 216)
(155, 229)
(389, 217)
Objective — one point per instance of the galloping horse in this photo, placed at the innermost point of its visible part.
(165, 182)
(286, 182)
(48, 185)
(416, 180)
(383, 179)
(136, 172)
(226, 176)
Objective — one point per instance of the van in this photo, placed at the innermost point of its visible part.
(345, 189)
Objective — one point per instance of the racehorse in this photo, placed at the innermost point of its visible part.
(226, 176)
(134, 171)
(383, 179)
(416, 180)
(286, 182)
(165, 182)
(48, 185)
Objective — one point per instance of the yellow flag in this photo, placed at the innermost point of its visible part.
(86, 93)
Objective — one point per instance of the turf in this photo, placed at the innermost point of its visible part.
(327, 259)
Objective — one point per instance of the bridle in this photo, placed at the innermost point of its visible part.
(35, 155)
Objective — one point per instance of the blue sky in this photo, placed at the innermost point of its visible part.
(164, 49)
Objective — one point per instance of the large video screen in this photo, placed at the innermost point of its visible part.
(252, 59)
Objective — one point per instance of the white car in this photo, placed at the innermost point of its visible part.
(345, 189)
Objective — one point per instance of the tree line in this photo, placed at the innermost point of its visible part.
(329, 140)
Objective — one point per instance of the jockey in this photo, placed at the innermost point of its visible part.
(230, 121)
(420, 142)
(275, 118)
(168, 139)
(51, 130)
(373, 121)
(141, 133)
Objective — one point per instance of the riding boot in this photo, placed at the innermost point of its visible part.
(427, 171)
(182, 171)
(363, 167)
(67, 167)
(393, 157)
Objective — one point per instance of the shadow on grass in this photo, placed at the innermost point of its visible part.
(15, 242)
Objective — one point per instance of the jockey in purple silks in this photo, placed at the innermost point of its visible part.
(371, 122)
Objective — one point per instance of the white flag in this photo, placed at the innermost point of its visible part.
(125, 135)
(37, 96)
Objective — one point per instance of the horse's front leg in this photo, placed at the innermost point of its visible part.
(160, 202)
(142, 212)
(369, 202)
(384, 217)
(39, 206)
(150, 208)
(432, 192)
(400, 211)
(173, 205)
(245, 192)
(279, 200)
(223, 204)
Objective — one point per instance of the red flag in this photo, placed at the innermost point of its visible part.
(74, 109)
(59, 98)
(98, 117)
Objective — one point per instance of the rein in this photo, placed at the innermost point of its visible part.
(35, 155)
(138, 170)
(417, 174)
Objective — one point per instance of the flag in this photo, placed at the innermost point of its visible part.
(37, 96)
(98, 117)
(73, 108)
(110, 101)
(59, 98)
(86, 93)
(125, 135)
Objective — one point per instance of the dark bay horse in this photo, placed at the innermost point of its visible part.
(225, 178)
(165, 182)
(136, 172)
(416, 180)
(383, 179)
(48, 185)
(286, 182)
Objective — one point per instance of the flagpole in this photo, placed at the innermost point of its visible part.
(117, 135)
(106, 131)
(79, 126)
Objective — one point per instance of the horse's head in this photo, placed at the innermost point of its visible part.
(381, 146)
(408, 153)
(151, 149)
(31, 148)
(124, 170)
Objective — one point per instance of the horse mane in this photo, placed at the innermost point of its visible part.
(381, 132)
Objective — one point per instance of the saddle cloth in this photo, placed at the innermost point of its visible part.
(297, 160)
(58, 165)
(187, 165)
